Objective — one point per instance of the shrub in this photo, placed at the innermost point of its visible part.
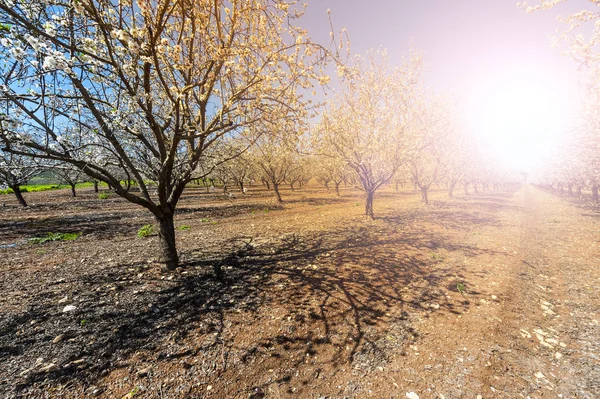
(103, 196)
(183, 227)
(145, 231)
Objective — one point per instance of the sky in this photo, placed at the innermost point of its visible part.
(516, 94)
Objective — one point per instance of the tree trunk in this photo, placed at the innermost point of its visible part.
(369, 205)
(166, 238)
(424, 195)
(451, 189)
(268, 185)
(326, 184)
(276, 188)
(17, 190)
(73, 193)
(337, 188)
(95, 186)
(292, 186)
(241, 184)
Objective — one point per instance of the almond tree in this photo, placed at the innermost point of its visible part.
(276, 154)
(367, 124)
(16, 170)
(148, 86)
(434, 131)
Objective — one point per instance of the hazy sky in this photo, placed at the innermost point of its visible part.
(518, 94)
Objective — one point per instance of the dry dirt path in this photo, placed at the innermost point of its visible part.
(534, 329)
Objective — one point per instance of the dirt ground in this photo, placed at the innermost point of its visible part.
(495, 295)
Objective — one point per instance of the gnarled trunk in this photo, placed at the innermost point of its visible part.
(369, 205)
(73, 193)
(277, 194)
(424, 196)
(95, 186)
(337, 188)
(17, 190)
(166, 238)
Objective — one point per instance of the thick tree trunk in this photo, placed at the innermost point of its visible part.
(369, 205)
(95, 186)
(17, 190)
(166, 238)
(241, 184)
(277, 194)
(73, 193)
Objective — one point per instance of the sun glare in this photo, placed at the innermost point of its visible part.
(518, 117)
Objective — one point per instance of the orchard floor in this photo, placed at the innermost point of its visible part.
(315, 301)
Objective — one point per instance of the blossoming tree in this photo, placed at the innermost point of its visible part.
(367, 124)
(147, 87)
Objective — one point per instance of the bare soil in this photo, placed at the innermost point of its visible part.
(495, 294)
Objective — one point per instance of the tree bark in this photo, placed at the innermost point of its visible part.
(276, 189)
(451, 190)
(369, 205)
(424, 196)
(166, 238)
(73, 193)
(337, 188)
(17, 190)
(95, 186)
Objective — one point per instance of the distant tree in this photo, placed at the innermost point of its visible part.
(367, 125)
(434, 129)
(16, 170)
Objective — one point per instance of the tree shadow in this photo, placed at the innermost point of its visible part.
(345, 296)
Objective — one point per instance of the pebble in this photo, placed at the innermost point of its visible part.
(58, 339)
(143, 372)
(558, 355)
(69, 308)
(539, 375)
(412, 395)
(48, 368)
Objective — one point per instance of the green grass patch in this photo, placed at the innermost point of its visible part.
(55, 237)
(205, 220)
(145, 231)
(103, 196)
(183, 227)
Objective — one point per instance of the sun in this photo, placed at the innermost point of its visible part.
(517, 118)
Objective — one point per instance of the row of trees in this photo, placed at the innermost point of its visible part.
(168, 92)
(577, 164)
